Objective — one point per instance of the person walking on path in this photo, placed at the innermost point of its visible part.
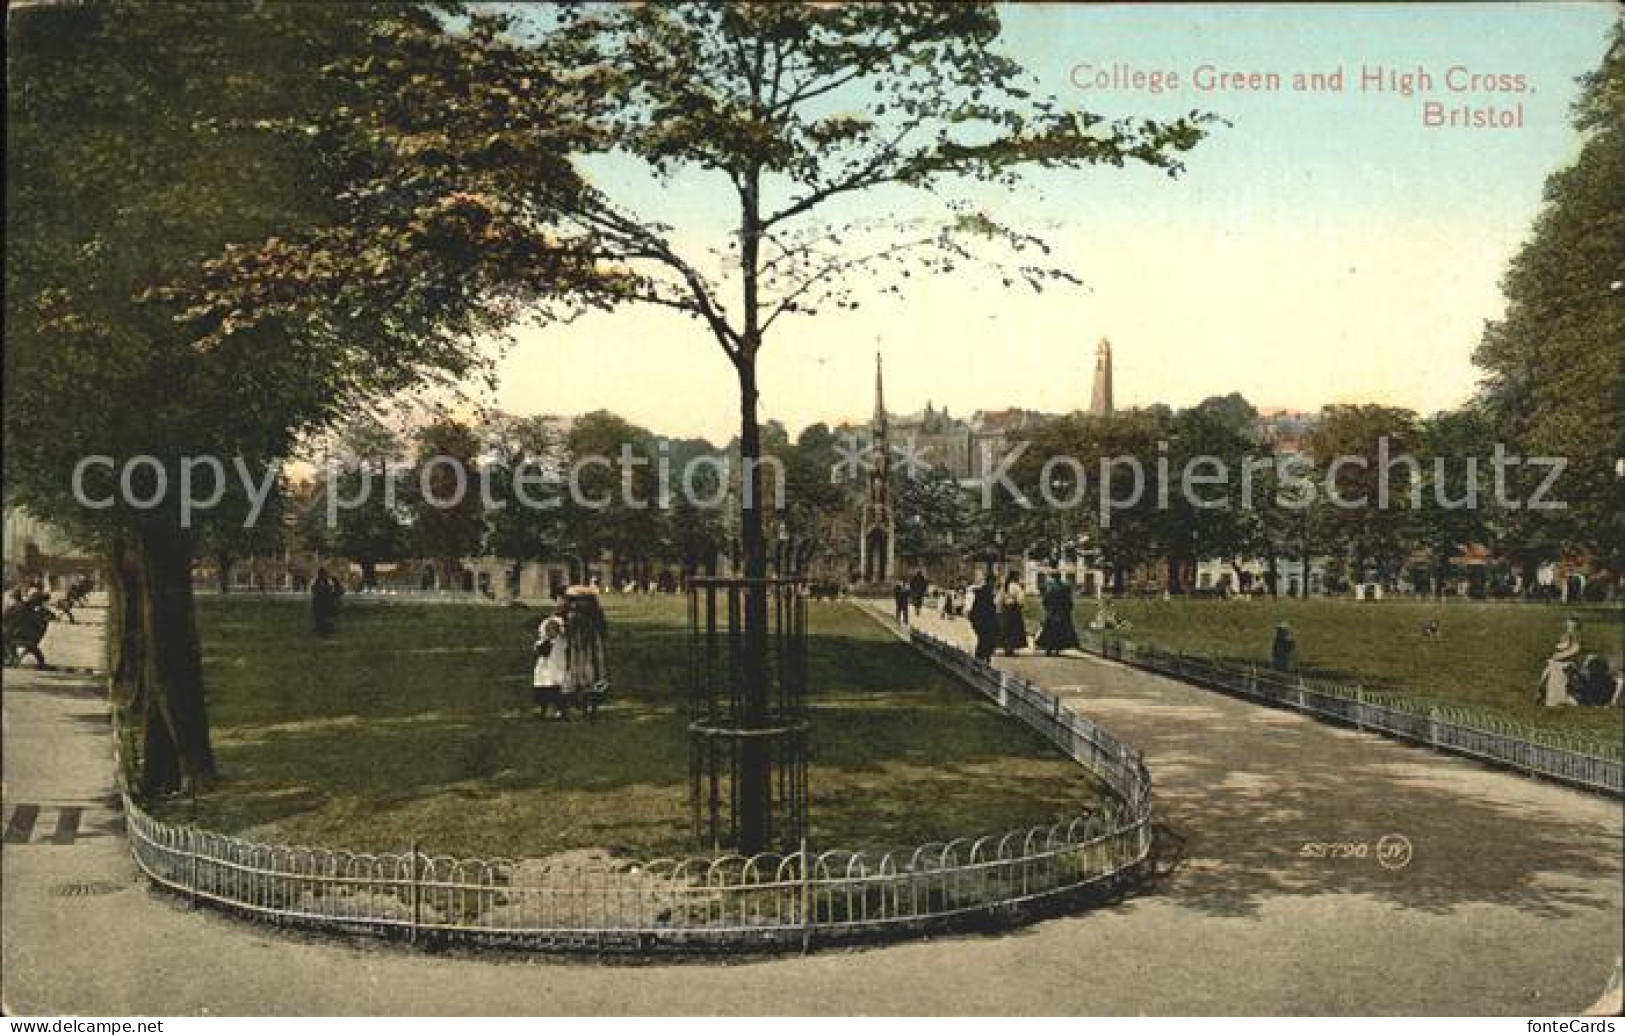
(26, 621)
(1282, 648)
(899, 595)
(1058, 632)
(984, 620)
(917, 586)
(1012, 622)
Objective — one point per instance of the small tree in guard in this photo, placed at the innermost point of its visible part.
(738, 728)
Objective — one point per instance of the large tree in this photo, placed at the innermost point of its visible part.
(794, 107)
(1372, 479)
(445, 497)
(797, 108)
(205, 258)
(122, 179)
(1555, 364)
(525, 518)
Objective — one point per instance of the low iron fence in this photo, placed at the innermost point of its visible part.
(591, 901)
(1576, 760)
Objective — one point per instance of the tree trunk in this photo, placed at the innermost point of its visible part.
(369, 573)
(176, 753)
(1175, 584)
(1529, 571)
(123, 653)
(755, 776)
(222, 564)
(123, 644)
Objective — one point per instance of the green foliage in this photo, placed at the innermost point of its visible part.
(1364, 442)
(445, 497)
(615, 500)
(125, 172)
(933, 516)
(1555, 364)
(525, 521)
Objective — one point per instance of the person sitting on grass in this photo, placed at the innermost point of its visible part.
(1555, 677)
(547, 675)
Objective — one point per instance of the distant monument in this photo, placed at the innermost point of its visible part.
(877, 541)
(1100, 403)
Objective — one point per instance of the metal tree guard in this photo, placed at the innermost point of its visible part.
(748, 714)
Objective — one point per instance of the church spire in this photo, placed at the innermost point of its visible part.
(880, 400)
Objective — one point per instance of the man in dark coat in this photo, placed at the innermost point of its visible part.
(984, 620)
(1058, 632)
(1282, 648)
(899, 596)
(324, 602)
(916, 590)
(26, 621)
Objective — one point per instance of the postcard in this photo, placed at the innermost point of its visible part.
(813, 510)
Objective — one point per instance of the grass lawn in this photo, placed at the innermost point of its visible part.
(413, 723)
(1487, 655)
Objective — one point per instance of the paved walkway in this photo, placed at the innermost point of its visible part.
(1510, 904)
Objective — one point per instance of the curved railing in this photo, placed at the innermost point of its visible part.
(591, 901)
(1577, 760)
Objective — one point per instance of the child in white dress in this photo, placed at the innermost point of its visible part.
(549, 673)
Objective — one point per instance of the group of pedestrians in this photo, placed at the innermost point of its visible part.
(998, 617)
(910, 594)
(571, 660)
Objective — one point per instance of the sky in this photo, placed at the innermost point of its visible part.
(1323, 247)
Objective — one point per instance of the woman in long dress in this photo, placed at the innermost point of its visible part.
(1012, 623)
(1058, 632)
(984, 619)
(586, 635)
(1554, 678)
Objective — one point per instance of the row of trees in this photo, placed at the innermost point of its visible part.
(523, 511)
(1204, 485)
(650, 507)
(162, 160)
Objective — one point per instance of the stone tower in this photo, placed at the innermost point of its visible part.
(877, 542)
(1100, 403)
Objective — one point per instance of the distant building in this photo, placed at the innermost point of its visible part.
(1283, 430)
(937, 438)
(992, 433)
(1100, 401)
(38, 548)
